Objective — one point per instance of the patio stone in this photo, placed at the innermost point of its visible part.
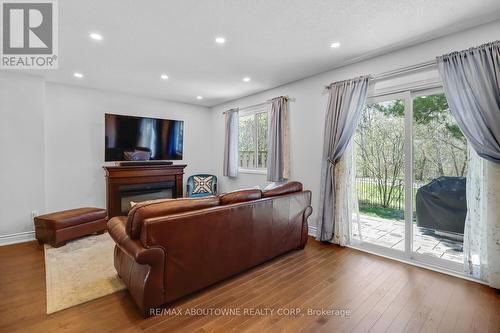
(389, 233)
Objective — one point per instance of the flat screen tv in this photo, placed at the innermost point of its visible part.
(130, 138)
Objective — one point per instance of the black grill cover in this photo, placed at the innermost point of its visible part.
(441, 205)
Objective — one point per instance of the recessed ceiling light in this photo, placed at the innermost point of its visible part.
(78, 75)
(95, 36)
(220, 40)
(334, 45)
(246, 79)
(164, 77)
(199, 97)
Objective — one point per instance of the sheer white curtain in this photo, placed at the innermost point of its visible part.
(482, 225)
(346, 203)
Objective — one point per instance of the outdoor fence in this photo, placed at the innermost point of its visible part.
(370, 192)
(252, 159)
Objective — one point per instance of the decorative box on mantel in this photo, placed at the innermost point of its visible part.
(127, 184)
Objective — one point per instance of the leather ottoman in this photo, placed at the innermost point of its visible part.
(57, 228)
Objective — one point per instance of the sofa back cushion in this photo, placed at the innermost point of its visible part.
(282, 189)
(240, 196)
(155, 208)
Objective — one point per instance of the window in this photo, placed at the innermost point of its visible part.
(252, 152)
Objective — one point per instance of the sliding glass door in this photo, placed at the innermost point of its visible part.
(380, 182)
(411, 164)
(439, 179)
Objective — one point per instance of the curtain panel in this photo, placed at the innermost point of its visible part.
(471, 81)
(345, 105)
(278, 147)
(230, 166)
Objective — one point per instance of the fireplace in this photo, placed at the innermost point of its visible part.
(139, 183)
(142, 192)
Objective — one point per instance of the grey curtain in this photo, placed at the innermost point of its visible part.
(345, 105)
(277, 141)
(231, 143)
(471, 81)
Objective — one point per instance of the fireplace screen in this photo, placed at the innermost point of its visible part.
(138, 193)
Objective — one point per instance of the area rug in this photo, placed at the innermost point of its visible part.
(80, 271)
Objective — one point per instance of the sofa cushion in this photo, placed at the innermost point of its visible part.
(282, 189)
(240, 196)
(155, 208)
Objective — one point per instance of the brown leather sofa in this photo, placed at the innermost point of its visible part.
(170, 248)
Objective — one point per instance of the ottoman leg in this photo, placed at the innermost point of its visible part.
(59, 244)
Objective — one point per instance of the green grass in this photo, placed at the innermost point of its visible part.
(370, 206)
(386, 213)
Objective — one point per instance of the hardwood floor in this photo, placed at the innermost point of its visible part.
(381, 295)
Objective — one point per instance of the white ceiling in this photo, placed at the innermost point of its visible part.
(271, 41)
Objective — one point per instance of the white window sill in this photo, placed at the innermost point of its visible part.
(253, 171)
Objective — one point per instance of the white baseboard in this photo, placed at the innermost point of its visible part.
(311, 231)
(19, 237)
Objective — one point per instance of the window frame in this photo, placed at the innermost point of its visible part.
(253, 111)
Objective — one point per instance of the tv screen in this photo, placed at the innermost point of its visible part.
(130, 138)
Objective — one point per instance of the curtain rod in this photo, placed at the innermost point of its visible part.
(405, 70)
(400, 71)
(290, 99)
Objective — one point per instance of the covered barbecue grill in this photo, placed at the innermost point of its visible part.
(441, 205)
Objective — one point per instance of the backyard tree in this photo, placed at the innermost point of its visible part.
(380, 145)
(439, 148)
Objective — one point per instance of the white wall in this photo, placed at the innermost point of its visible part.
(52, 146)
(22, 158)
(307, 113)
(74, 141)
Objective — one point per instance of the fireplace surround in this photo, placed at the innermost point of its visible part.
(137, 183)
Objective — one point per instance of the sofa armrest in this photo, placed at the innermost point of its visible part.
(141, 269)
(132, 247)
(305, 226)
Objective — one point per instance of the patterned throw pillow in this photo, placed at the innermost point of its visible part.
(202, 184)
